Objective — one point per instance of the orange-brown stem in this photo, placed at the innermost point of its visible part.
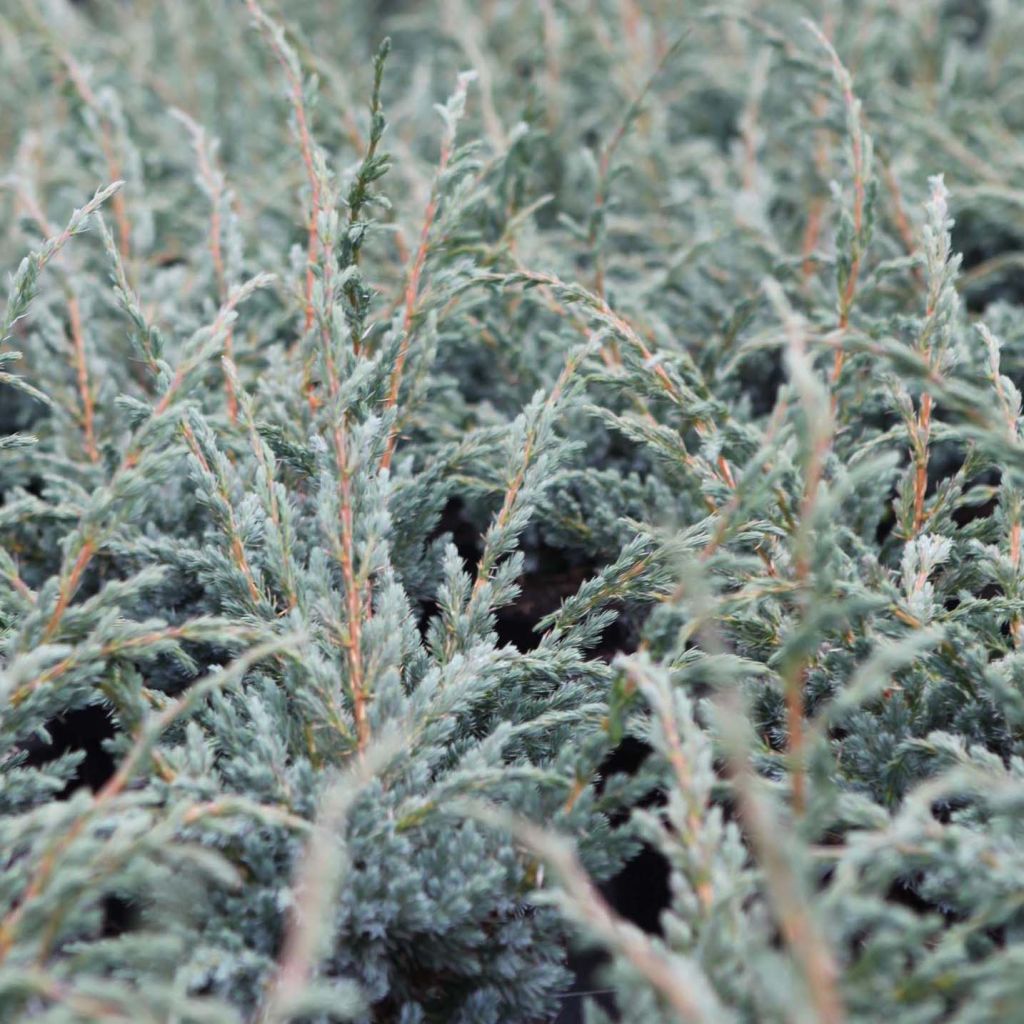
(412, 290)
(118, 204)
(77, 336)
(238, 555)
(353, 596)
(921, 470)
(82, 371)
(306, 149)
(795, 732)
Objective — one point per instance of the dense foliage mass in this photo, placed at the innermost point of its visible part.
(403, 404)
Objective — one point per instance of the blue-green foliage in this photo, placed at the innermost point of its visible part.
(395, 333)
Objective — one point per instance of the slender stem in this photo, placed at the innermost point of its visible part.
(412, 287)
(305, 146)
(77, 336)
(71, 577)
(237, 548)
(213, 179)
(118, 203)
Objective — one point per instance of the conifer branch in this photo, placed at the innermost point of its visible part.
(452, 112)
(285, 56)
